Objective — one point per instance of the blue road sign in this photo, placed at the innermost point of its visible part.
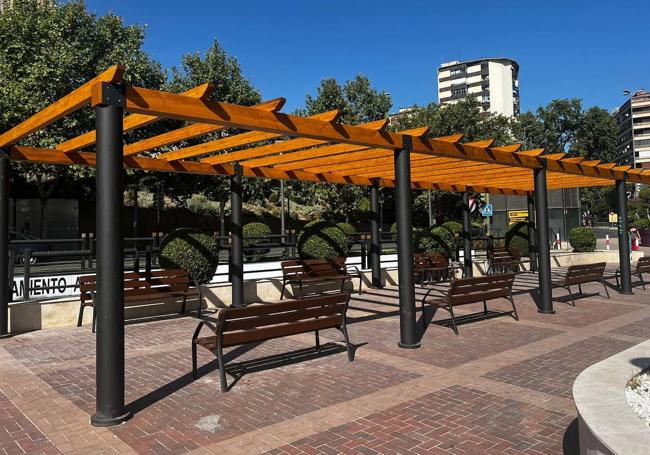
(487, 210)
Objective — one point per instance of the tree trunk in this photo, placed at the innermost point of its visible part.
(45, 196)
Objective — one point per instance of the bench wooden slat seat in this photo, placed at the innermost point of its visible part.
(503, 260)
(642, 266)
(464, 291)
(432, 268)
(299, 272)
(141, 287)
(579, 275)
(265, 321)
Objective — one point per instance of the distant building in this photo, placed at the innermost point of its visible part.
(494, 81)
(633, 119)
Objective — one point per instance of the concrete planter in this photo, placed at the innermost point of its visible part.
(606, 422)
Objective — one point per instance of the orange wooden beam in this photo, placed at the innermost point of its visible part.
(191, 131)
(66, 105)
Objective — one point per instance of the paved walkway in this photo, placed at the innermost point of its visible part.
(501, 387)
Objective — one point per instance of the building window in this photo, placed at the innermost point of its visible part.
(458, 91)
(457, 71)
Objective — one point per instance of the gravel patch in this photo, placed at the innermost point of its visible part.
(637, 393)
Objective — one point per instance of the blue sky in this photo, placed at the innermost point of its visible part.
(587, 49)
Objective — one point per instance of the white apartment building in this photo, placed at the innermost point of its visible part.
(494, 81)
(633, 119)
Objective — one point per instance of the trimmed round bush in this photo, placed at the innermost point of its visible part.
(642, 224)
(453, 226)
(274, 197)
(582, 239)
(347, 228)
(191, 250)
(322, 239)
(438, 240)
(517, 239)
(393, 231)
(255, 232)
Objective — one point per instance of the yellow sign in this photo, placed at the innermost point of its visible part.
(514, 216)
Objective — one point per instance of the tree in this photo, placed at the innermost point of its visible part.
(47, 51)
(561, 120)
(596, 135)
(358, 101)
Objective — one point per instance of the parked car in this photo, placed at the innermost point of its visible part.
(20, 248)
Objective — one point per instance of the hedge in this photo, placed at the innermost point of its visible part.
(517, 238)
(642, 224)
(322, 239)
(438, 240)
(347, 228)
(393, 231)
(191, 250)
(453, 226)
(255, 232)
(582, 239)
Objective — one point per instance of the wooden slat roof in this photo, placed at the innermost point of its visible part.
(317, 148)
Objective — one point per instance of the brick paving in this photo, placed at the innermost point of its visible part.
(501, 387)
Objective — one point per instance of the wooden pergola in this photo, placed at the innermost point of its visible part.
(276, 145)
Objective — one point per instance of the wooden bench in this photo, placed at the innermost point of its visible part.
(432, 268)
(503, 260)
(642, 266)
(473, 290)
(265, 321)
(579, 275)
(314, 271)
(140, 287)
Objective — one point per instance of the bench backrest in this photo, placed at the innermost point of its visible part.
(265, 321)
(309, 268)
(142, 283)
(585, 273)
(438, 260)
(420, 262)
(479, 289)
(643, 265)
(503, 255)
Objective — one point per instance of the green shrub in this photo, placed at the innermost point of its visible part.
(347, 228)
(322, 239)
(274, 197)
(642, 224)
(453, 226)
(393, 231)
(517, 238)
(255, 232)
(582, 239)
(192, 250)
(438, 240)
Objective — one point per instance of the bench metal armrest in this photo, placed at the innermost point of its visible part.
(214, 326)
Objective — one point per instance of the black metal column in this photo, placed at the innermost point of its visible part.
(545, 302)
(375, 237)
(532, 241)
(404, 207)
(467, 236)
(5, 285)
(237, 238)
(110, 408)
(623, 238)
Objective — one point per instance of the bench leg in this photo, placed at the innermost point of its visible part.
(484, 307)
(348, 346)
(317, 340)
(360, 284)
(580, 289)
(573, 301)
(184, 303)
(284, 286)
(222, 371)
(642, 282)
(514, 308)
(81, 314)
(453, 319)
(200, 296)
(194, 367)
(605, 287)
(94, 319)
